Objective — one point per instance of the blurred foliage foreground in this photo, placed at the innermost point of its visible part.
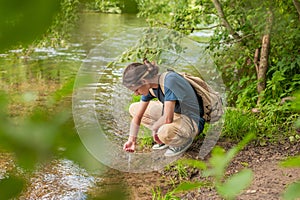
(46, 130)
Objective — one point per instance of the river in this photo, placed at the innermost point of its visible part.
(30, 79)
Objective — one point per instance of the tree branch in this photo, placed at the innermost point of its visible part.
(222, 16)
(236, 40)
(297, 5)
(256, 60)
(200, 29)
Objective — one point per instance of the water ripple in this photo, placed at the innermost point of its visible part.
(61, 179)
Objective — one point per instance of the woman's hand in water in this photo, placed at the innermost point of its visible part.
(129, 146)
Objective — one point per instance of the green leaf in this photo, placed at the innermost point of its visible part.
(291, 162)
(11, 187)
(194, 163)
(187, 186)
(292, 192)
(219, 160)
(31, 19)
(235, 184)
(218, 163)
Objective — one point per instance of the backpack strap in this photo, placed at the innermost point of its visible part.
(151, 92)
(161, 81)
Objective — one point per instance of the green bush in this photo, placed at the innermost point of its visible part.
(239, 123)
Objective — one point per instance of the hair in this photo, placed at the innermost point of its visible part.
(135, 72)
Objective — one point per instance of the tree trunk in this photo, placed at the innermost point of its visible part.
(222, 16)
(263, 66)
(256, 60)
(297, 5)
(264, 56)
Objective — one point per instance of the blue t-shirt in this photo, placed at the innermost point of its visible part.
(178, 89)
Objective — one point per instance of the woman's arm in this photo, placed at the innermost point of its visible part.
(134, 127)
(140, 112)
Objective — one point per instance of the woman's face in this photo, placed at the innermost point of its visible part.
(141, 90)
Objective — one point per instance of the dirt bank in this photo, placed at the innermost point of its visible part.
(270, 179)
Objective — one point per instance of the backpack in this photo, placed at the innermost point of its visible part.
(212, 102)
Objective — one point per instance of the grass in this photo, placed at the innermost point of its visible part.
(271, 125)
(238, 124)
(145, 140)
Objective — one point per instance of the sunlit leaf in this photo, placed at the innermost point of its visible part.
(218, 163)
(11, 187)
(194, 163)
(23, 22)
(220, 160)
(291, 162)
(296, 103)
(292, 192)
(187, 186)
(235, 184)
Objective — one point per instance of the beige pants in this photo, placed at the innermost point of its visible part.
(174, 134)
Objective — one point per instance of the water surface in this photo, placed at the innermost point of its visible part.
(31, 79)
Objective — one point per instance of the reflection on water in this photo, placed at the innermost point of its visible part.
(97, 27)
(61, 179)
(6, 164)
